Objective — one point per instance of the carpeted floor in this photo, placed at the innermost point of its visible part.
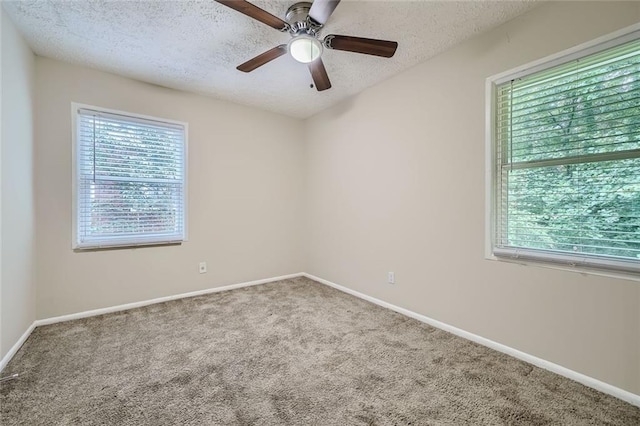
(288, 352)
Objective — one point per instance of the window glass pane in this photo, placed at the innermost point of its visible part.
(130, 180)
(591, 208)
(130, 208)
(594, 109)
(568, 160)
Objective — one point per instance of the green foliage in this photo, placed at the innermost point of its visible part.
(563, 192)
(135, 182)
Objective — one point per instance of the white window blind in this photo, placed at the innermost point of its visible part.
(130, 180)
(567, 156)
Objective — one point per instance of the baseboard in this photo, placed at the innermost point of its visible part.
(14, 349)
(538, 362)
(5, 360)
(133, 305)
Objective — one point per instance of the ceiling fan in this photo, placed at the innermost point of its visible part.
(304, 21)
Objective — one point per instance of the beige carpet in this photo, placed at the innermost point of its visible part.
(284, 353)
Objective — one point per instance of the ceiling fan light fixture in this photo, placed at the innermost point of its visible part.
(305, 48)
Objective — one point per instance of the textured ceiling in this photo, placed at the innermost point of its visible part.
(196, 45)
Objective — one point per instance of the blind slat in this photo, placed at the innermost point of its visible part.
(568, 161)
(131, 187)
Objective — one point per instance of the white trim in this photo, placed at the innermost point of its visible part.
(615, 38)
(75, 176)
(117, 308)
(592, 265)
(126, 306)
(539, 362)
(14, 349)
(489, 166)
(622, 394)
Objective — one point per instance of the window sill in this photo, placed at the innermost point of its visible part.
(132, 246)
(582, 270)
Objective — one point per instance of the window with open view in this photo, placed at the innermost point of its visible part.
(129, 179)
(565, 150)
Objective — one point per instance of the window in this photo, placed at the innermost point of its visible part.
(129, 179)
(565, 158)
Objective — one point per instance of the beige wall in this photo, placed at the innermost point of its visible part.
(392, 179)
(396, 183)
(245, 189)
(17, 286)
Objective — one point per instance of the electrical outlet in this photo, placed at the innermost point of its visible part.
(391, 277)
(202, 268)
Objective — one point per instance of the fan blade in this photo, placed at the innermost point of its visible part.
(319, 75)
(322, 9)
(256, 13)
(263, 58)
(368, 46)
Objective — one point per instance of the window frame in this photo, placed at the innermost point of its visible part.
(75, 178)
(577, 263)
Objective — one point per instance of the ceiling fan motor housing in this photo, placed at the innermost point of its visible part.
(297, 17)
